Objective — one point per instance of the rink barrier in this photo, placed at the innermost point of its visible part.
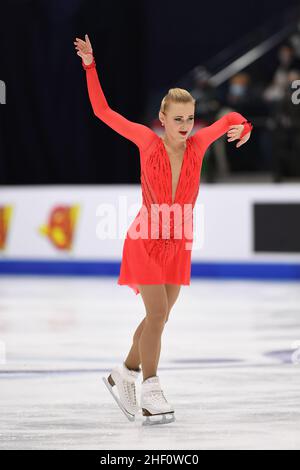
(221, 270)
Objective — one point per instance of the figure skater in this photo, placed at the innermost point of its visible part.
(156, 266)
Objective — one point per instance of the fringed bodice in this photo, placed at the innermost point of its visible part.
(167, 220)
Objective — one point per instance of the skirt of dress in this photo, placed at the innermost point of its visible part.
(155, 261)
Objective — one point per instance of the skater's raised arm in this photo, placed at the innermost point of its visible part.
(235, 124)
(141, 135)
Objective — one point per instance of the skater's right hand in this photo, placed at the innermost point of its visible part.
(84, 49)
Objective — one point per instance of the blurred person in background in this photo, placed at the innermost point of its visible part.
(285, 124)
(238, 96)
(288, 60)
(239, 91)
(207, 109)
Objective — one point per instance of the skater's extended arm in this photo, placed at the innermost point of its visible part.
(141, 135)
(235, 124)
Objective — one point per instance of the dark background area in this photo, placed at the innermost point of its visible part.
(48, 132)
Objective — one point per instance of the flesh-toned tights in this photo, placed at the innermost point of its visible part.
(145, 350)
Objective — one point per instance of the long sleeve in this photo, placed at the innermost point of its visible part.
(141, 135)
(206, 135)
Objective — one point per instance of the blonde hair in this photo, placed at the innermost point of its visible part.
(176, 95)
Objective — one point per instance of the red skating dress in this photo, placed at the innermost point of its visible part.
(159, 255)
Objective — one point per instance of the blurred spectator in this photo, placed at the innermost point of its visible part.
(206, 109)
(241, 96)
(295, 41)
(287, 60)
(239, 90)
(262, 93)
(286, 132)
(206, 95)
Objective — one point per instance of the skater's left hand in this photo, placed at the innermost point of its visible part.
(84, 49)
(234, 133)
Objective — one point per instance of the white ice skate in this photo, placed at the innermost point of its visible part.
(154, 404)
(124, 380)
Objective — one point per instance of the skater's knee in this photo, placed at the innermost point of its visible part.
(157, 318)
(139, 330)
(156, 305)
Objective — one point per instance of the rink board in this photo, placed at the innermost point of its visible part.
(240, 230)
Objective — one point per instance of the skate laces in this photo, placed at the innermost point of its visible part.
(129, 388)
(158, 395)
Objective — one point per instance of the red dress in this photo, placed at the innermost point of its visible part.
(162, 257)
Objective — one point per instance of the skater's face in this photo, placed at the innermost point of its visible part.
(178, 118)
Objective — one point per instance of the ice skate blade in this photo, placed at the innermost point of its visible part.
(129, 416)
(165, 418)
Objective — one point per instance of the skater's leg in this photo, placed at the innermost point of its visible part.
(133, 359)
(172, 294)
(156, 305)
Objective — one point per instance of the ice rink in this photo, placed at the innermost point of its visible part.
(229, 365)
